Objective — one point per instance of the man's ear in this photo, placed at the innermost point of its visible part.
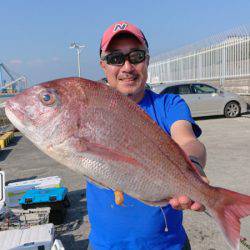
(103, 64)
(148, 58)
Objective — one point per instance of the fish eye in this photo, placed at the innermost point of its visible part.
(47, 98)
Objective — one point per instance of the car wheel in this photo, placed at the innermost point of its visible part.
(232, 109)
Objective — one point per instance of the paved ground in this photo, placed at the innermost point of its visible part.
(227, 142)
(228, 165)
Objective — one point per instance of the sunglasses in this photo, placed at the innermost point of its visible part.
(118, 58)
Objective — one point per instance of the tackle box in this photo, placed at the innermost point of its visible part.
(15, 190)
(55, 198)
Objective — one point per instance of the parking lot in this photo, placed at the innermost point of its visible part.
(228, 165)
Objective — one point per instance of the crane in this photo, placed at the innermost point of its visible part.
(13, 84)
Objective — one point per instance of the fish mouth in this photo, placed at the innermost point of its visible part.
(12, 109)
(14, 118)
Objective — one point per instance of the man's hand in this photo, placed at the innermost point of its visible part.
(184, 202)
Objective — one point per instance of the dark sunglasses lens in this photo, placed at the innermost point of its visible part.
(134, 57)
(115, 59)
(137, 56)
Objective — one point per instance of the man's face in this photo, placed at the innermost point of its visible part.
(129, 79)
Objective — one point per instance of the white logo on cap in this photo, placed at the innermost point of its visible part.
(120, 27)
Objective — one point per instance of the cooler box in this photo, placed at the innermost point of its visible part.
(14, 191)
(33, 238)
(2, 192)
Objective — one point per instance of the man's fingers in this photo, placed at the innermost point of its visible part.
(174, 203)
(183, 202)
(196, 206)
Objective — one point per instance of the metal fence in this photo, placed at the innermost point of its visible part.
(220, 57)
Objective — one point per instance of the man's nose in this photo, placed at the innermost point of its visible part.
(127, 66)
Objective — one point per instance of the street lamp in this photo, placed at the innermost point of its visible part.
(78, 48)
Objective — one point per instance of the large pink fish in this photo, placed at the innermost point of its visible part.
(93, 129)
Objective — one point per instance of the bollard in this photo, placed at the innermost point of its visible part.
(5, 139)
(2, 144)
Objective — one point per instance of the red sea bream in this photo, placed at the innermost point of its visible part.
(91, 128)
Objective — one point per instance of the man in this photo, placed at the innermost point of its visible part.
(134, 225)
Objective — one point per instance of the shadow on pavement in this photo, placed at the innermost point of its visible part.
(15, 140)
(4, 154)
(69, 243)
(209, 117)
(245, 115)
(74, 220)
(82, 244)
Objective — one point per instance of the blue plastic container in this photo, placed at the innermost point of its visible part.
(43, 195)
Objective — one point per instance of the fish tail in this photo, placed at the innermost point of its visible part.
(227, 210)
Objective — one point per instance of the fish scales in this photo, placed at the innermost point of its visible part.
(89, 127)
(137, 128)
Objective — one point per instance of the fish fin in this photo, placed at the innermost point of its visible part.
(119, 198)
(227, 211)
(83, 145)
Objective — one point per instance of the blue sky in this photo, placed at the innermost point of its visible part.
(35, 35)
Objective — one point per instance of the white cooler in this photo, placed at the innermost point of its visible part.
(2, 192)
(33, 238)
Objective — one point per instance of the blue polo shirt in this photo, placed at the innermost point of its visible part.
(135, 225)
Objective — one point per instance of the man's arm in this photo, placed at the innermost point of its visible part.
(182, 133)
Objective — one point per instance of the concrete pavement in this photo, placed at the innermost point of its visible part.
(228, 147)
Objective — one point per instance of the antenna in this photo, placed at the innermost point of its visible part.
(78, 48)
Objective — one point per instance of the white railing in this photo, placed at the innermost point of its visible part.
(221, 57)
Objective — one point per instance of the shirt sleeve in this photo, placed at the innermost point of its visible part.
(177, 109)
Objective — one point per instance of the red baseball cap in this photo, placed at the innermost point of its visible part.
(121, 27)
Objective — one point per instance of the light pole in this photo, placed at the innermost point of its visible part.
(78, 48)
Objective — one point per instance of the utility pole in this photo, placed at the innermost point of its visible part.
(78, 48)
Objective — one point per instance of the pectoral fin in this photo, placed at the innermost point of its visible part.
(84, 145)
